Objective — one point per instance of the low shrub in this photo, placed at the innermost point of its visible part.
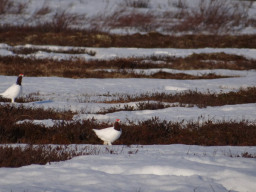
(80, 68)
(22, 155)
(44, 10)
(31, 50)
(209, 133)
(133, 20)
(5, 6)
(152, 131)
(240, 96)
(62, 21)
(139, 106)
(137, 3)
(215, 16)
(12, 7)
(43, 35)
(13, 113)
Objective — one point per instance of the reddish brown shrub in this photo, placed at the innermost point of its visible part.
(155, 131)
(246, 95)
(93, 38)
(5, 5)
(137, 3)
(215, 16)
(39, 154)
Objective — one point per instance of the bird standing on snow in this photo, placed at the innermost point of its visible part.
(109, 135)
(13, 91)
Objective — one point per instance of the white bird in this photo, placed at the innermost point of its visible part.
(110, 134)
(13, 91)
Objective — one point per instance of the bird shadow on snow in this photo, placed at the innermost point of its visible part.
(42, 102)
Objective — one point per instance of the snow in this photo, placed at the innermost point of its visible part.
(68, 94)
(160, 168)
(177, 114)
(151, 168)
(114, 52)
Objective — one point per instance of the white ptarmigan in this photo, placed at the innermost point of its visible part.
(13, 91)
(110, 134)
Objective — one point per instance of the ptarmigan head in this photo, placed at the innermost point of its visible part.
(117, 125)
(19, 79)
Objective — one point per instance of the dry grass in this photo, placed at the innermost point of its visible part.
(5, 5)
(131, 20)
(12, 132)
(40, 35)
(62, 21)
(123, 67)
(209, 17)
(139, 106)
(215, 16)
(165, 132)
(42, 154)
(157, 75)
(206, 17)
(153, 131)
(44, 10)
(21, 156)
(13, 113)
(137, 3)
(31, 50)
(209, 61)
(12, 7)
(194, 98)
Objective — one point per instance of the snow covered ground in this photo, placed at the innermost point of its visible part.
(85, 95)
(151, 168)
(114, 52)
(177, 168)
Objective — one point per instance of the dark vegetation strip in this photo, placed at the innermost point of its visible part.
(247, 95)
(16, 35)
(209, 61)
(157, 75)
(42, 154)
(209, 133)
(153, 131)
(27, 155)
(31, 50)
(13, 113)
(139, 106)
(87, 69)
(79, 68)
(17, 156)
